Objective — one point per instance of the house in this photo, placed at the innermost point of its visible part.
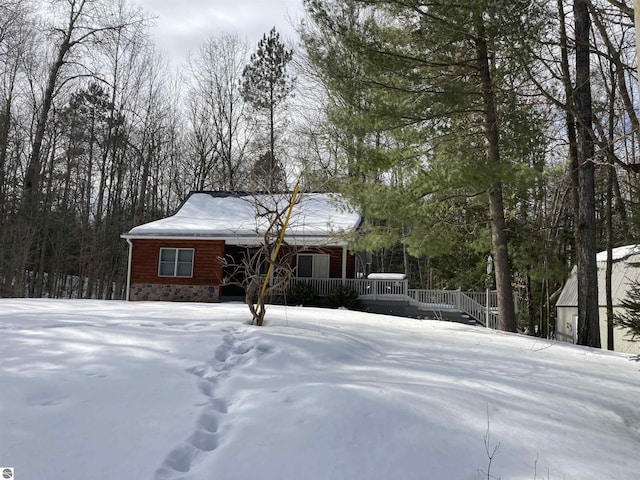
(178, 258)
(626, 271)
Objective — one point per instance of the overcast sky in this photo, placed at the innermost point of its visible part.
(183, 25)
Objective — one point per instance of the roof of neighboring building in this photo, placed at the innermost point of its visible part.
(238, 217)
(625, 271)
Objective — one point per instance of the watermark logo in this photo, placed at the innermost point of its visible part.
(7, 473)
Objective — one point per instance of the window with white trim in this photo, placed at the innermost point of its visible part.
(176, 262)
(313, 265)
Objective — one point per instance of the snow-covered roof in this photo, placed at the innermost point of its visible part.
(238, 217)
(619, 253)
(387, 276)
(625, 271)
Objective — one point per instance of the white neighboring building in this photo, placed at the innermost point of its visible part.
(626, 271)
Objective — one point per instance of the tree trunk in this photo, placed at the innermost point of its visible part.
(569, 118)
(27, 221)
(609, 227)
(636, 18)
(31, 180)
(272, 145)
(587, 272)
(611, 172)
(506, 311)
(141, 200)
(5, 119)
(532, 309)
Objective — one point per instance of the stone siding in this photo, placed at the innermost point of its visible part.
(174, 293)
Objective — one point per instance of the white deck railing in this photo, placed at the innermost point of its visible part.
(472, 303)
(366, 288)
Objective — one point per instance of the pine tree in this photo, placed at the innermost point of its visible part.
(421, 111)
(629, 316)
(265, 85)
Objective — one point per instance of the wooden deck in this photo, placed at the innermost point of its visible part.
(481, 306)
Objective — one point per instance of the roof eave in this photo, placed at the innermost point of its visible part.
(310, 240)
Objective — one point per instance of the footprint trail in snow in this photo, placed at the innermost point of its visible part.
(236, 350)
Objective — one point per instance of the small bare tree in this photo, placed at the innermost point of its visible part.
(265, 270)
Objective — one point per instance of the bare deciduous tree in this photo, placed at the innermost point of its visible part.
(220, 129)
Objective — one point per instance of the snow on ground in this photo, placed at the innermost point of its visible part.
(158, 391)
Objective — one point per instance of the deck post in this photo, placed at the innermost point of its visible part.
(128, 292)
(344, 264)
(486, 320)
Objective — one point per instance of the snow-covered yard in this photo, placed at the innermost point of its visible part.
(104, 390)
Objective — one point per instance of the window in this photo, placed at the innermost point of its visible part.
(313, 266)
(176, 262)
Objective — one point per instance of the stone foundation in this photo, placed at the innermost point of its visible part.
(174, 293)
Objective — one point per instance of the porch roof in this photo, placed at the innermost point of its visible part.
(238, 218)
